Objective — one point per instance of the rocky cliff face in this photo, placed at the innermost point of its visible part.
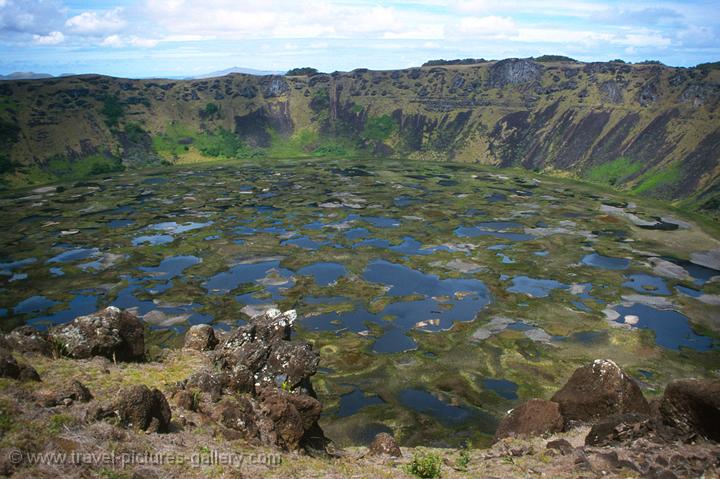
(647, 127)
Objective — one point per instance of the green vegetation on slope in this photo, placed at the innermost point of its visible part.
(651, 181)
(379, 128)
(611, 173)
(112, 110)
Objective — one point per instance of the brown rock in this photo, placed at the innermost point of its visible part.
(692, 406)
(143, 409)
(200, 337)
(75, 391)
(384, 445)
(599, 390)
(532, 418)
(10, 368)
(561, 445)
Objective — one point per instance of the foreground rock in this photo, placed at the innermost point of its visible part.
(384, 445)
(114, 334)
(599, 390)
(73, 392)
(27, 339)
(260, 386)
(10, 368)
(535, 417)
(200, 337)
(137, 407)
(692, 407)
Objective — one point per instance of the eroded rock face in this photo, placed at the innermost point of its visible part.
(532, 418)
(200, 337)
(599, 390)
(692, 406)
(140, 408)
(384, 445)
(514, 71)
(111, 333)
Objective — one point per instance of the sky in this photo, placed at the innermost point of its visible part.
(176, 38)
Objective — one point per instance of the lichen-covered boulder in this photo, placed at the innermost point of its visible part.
(384, 445)
(112, 333)
(598, 390)
(200, 337)
(535, 417)
(692, 407)
(260, 386)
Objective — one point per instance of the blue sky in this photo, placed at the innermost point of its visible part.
(144, 38)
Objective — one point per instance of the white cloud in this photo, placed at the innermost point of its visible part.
(117, 41)
(490, 26)
(52, 38)
(92, 23)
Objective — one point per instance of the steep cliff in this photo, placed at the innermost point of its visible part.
(649, 128)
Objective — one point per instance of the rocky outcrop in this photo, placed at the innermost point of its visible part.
(692, 407)
(384, 445)
(619, 429)
(535, 417)
(200, 337)
(10, 368)
(599, 390)
(260, 386)
(112, 333)
(514, 71)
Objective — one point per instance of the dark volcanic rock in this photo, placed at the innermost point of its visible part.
(692, 406)
(140, 408)
(532, 418)
(598, 390)
(261, 385)
(384, 445)
(111, 333)
(514, 71)
(200, 337)
(9, 368)
(27, 339)
(619, 429)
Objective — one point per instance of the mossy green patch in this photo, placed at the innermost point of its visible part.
(658, 178)
(613, 172)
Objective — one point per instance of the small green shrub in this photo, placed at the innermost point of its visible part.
(303, 71)
(463, 460)
(112, 110)
(425, 465)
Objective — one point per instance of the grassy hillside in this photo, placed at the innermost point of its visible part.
(650, 129)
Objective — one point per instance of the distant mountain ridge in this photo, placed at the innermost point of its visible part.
(648, 128)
